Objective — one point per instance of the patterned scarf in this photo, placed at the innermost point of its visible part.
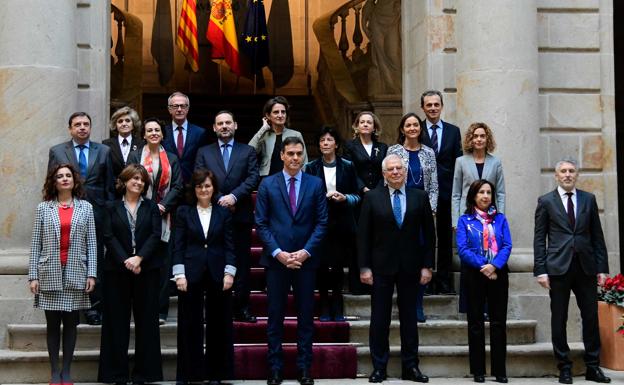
(490, 247)
(164, 183)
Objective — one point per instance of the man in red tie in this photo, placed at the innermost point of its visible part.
(183, 138)
(571, 255)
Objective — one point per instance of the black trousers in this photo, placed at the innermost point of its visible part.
(242, 250)
(166, 286)
(205, 301)
(444, 232)
(480, 288)
(96, 295)
(125, 292)
(381, 311)
(584, 288)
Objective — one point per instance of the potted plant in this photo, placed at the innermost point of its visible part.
(610, 315)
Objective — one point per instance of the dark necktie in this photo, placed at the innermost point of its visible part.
(396, 208)
(292, 195)
(82, 161)
(571, 218)
(180, 144)
(434, 138)
(124, 142)
(226, 155)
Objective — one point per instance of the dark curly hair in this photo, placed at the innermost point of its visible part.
(472, 195)
(490, 144)
(198, 177)
(160, 124)
(49, 187)
(268, 107)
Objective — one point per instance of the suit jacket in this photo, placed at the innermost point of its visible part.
(341, 214)
(278, 228)
(198, 251)
(116, 156)
(195, 138)
(176, 186)
(450, 149)
(386, 248)
(428, 167)
(99, 183)
(368, 168)
(241, 178)
(45, 248)
(470, 241)
(466, 173)
(264, 142)
(118, 238)
(555, 240)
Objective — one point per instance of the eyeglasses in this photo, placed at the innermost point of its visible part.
(176, 106)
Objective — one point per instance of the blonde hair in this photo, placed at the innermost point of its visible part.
(490, 144)
(376, 124)
(134, 116)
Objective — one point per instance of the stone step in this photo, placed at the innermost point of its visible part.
(436, 306)
(446, 332)
(533, 360)
(32, 337)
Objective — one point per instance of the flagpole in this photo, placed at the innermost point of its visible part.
(255, 75)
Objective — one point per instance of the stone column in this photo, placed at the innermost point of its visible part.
(497, 83)
(38, 78)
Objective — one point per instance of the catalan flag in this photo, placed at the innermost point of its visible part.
(221, 33)
(256, 36)
(187, 34)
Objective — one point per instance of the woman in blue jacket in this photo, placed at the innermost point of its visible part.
(484, 246)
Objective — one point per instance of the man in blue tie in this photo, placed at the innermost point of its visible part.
(291, 219)
(395, 243)
(445, 140)
(93, 160)
(235, 165)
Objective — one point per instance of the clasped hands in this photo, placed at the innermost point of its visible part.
(489, 271)
(292, 260)
(134, 264)
(336, 196)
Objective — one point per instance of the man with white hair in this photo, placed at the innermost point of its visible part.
(571, 255)
(396, 241)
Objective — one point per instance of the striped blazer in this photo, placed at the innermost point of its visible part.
(45, 248)
(429, 168)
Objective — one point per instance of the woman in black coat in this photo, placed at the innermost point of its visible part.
(341, 188)
(165, 190)
(132, 227)
(204, 270)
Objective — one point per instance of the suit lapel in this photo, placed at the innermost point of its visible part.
(487, 168)
(214, 218)
(581, 207)
(116, 150)
(234, 155)
(387, 206)
(120, 209)
(194, 218)
(94, 150)
(283, 190)
(563, 213)
(70, 152)
(190, 138)
(302, 191)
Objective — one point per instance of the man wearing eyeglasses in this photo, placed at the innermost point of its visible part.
(183, 138)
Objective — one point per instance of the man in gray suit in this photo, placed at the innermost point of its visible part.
(93, 161)
(571, 255)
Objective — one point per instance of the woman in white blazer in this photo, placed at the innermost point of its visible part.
(476, 163)
(63, 262)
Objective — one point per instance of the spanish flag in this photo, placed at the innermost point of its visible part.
(221, 34)
(187, 34)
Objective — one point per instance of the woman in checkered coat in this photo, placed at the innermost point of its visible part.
(132, 230)
(63, 262)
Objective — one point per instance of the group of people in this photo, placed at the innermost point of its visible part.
(173, 210)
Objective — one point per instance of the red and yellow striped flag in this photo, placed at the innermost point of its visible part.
(187, 34)
(221, 33)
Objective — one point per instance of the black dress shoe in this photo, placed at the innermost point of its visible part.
(304, 377)
(479, 378)
(502, 379)
(93, 318)
(377, 375)
(565, 376)
(245, 316)
(275, 378)
(445, 288)
(414, 374)
(596, 375)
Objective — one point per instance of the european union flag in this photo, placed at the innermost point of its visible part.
(255, 36)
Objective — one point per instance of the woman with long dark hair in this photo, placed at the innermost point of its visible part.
(63, 263)
(484, 246)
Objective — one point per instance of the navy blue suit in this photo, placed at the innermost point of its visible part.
(195, 138)
(279, 228)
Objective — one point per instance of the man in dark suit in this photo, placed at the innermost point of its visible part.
(445, 140)
(396, 241)
(183, 138)
(571, 255)
(93, 160)
(291, 219)
(235, 165)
